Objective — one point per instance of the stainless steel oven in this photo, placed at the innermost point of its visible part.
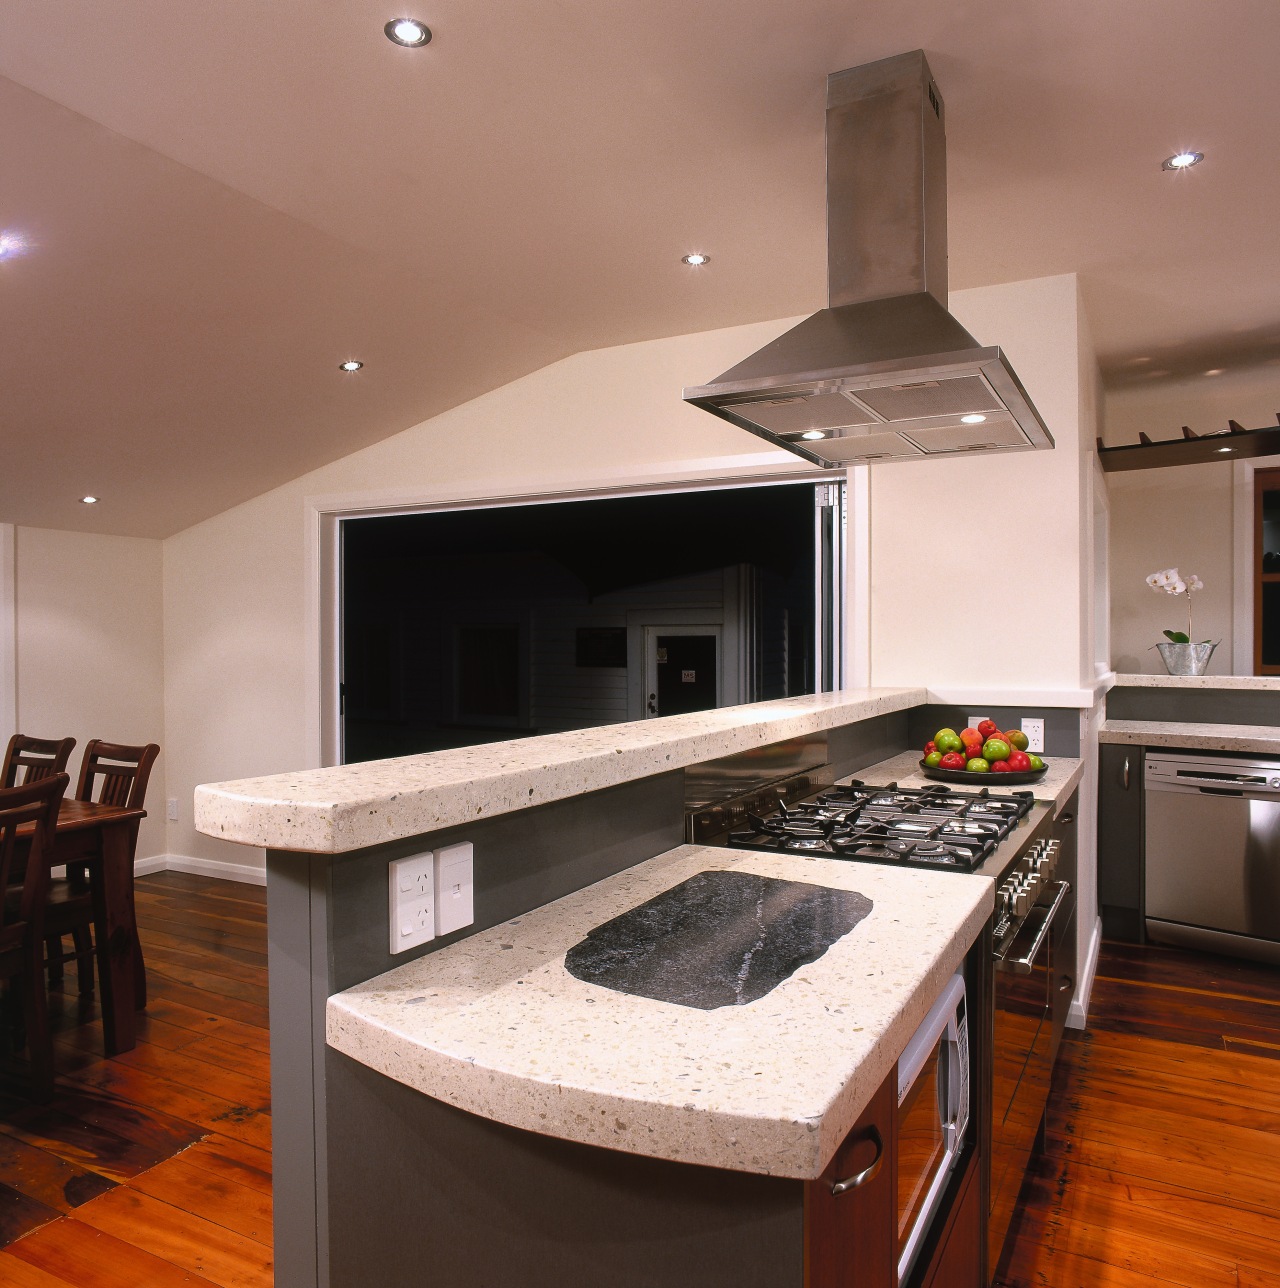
(1023, 1019)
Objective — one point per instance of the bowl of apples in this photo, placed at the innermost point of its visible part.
(967, 756)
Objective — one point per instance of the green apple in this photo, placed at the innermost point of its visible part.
(979, 766)
(995, 749)
(1036, 762)
(933, 759)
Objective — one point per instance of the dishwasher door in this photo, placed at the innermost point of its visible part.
(1212, 854)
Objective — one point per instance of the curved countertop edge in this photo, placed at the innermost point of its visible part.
(1259, 682)
(349, 807)
(1264, 739)
(791, 1074)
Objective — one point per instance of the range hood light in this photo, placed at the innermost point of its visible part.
(814, 434)
(975, 419)
(1182, 161)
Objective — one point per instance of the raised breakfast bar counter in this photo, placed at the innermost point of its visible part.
(513, 1044)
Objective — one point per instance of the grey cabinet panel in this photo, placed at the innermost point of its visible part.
(1120, 841)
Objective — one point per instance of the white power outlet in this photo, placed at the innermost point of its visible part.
(411, 901)
(171, 814)
(1034, 729)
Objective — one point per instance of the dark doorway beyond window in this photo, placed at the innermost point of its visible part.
(469, 626)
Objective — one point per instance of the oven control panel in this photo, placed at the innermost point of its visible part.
(1021, 889)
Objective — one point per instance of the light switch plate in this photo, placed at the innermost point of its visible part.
(455, 887)
(411, 901)
(1034, 729)
(171, 813)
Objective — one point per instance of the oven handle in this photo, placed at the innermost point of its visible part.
(868, 1173)
(1023, 965)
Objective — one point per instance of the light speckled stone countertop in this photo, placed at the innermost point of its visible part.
(1198, 681)
(495, 1025)
(1196, 737)
(1062, 777)
(332, 811)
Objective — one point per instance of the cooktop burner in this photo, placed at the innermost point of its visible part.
(933, 827)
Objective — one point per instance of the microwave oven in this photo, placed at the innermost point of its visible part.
(933, 1113)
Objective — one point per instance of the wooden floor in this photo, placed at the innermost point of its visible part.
(1162, 1153)
(1161, 1162)
(153, 1168)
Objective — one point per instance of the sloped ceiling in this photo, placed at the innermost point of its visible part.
(211, 207)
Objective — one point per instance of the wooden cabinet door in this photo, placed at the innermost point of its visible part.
(851, 1237)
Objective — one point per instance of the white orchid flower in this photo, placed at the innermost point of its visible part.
(1161, 580)
(1179, 587)
(1194, 583)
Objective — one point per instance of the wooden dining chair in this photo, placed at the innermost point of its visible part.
(22, 913)
(27, 760)
(111, 774)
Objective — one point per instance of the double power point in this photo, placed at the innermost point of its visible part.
(430, 894)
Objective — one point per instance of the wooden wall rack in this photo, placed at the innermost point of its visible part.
(1232, 444)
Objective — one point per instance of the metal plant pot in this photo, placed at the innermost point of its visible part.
(1186, 659)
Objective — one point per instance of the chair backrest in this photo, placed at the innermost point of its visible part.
(35, 803)
(123, 771)
(36, 758)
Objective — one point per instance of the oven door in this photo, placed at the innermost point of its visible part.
(933, 1112)
(1022, 1060)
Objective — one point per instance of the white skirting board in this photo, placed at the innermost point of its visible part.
(201, 868)
(1078, 1015)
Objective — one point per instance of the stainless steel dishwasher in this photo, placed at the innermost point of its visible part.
(1212, 853)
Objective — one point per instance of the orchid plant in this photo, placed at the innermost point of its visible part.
(1171, 581)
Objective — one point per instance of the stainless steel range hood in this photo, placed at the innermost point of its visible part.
(885, 372)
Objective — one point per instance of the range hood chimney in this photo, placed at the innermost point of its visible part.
(884, 372)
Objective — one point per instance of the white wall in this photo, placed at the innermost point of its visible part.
(235, 598)
(89, 653)
(239, 646)
(1184, 516)
(981, 568)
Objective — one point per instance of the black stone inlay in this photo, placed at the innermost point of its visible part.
(717, 939)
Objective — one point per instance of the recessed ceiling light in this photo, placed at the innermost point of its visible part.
(695, 260)
(1214, 371)
(1182, 160)
(1224, 449)
(408, 31)
(812, 434)
(350, 365)
(12, 245)
(88, 500)
(972, 419)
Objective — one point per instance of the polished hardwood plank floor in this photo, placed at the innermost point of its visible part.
(152, 1168)
(1161, 1158)
(1161, 1161)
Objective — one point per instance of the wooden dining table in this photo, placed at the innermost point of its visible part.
(103, 837)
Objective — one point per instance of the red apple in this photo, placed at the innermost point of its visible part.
(952, 760)
(930, 747)
(988, 729)
(1019, 761)
(1000, 766)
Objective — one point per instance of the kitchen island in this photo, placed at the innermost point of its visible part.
(549, 817)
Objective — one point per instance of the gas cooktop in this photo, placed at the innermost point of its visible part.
(924, 827)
